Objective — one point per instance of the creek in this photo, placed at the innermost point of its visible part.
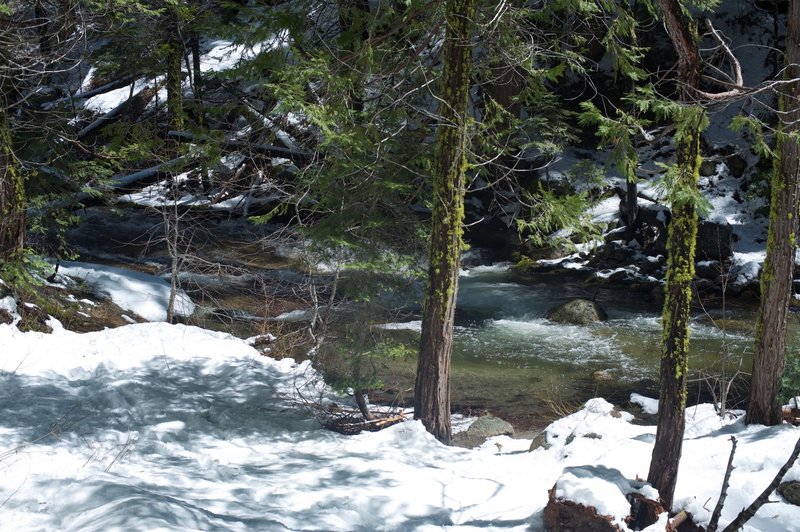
(508, 359)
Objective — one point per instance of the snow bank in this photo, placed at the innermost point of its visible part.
(144, 294)
(158, 426)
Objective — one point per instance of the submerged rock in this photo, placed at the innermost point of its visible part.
(578, 311)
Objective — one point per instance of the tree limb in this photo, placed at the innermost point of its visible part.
(712, 525)
(762, 499)
(108, 87)
(735, 65)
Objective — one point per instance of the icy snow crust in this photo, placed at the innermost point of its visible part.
(157, 426)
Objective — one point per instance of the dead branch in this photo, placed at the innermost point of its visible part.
(712, 525)
(738, 85)
(745, 515)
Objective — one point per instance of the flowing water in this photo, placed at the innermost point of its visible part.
(508, 358)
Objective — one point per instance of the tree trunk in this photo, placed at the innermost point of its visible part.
(173, 66)
(432, 390)
(681, 238)
(776, 277)
(12, 194)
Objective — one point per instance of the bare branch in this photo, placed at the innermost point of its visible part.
(745, 515)
(712, 525)
(738, 85)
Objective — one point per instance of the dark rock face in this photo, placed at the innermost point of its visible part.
(714, 240)
(6, 317)
(577, 311)
(736, 165)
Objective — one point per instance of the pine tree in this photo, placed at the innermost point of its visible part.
(681, 238)
(776, 276)
(432, 389)
(36, 39)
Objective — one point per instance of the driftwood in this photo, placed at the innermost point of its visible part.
(677, 521)
(298, 157)
(762, 499)
(791, 414)
(102, 89)
(350, 423)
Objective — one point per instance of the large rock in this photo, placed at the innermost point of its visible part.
(714, 239)
(578, 311)
(790, 491)
(482, 428)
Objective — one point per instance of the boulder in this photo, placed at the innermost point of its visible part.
(714, 238)
(482, 428)
(708, 167)
(578, 311)
(790, 491)
(736, 164)
(540, 441)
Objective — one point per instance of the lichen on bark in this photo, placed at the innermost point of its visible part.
(432, 389)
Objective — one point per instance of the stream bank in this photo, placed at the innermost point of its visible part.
(508, 359)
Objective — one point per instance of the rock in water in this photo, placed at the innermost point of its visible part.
(578, 311)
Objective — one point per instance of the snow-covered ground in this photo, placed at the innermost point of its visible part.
(170, 427)
(144, 294)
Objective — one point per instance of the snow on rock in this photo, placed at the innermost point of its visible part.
(596, 486)
(9, 305)
(649, 406)
(146, 295)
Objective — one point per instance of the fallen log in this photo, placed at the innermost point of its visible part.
(300, 158)
(117, 184)
(139, 99)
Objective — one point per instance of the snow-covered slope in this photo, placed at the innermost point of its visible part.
(157, 426)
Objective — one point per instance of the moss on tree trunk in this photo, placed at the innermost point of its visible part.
(12, 195)
(681, 237)
(776, 276)
(432, 390)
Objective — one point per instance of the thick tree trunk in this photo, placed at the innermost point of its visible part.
(776, 276)
(681, 237)
(432, 391)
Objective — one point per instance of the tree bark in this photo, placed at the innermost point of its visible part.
(432, 390)
(12, 194)
(776, 276)
(174, 41)
(682, 233)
